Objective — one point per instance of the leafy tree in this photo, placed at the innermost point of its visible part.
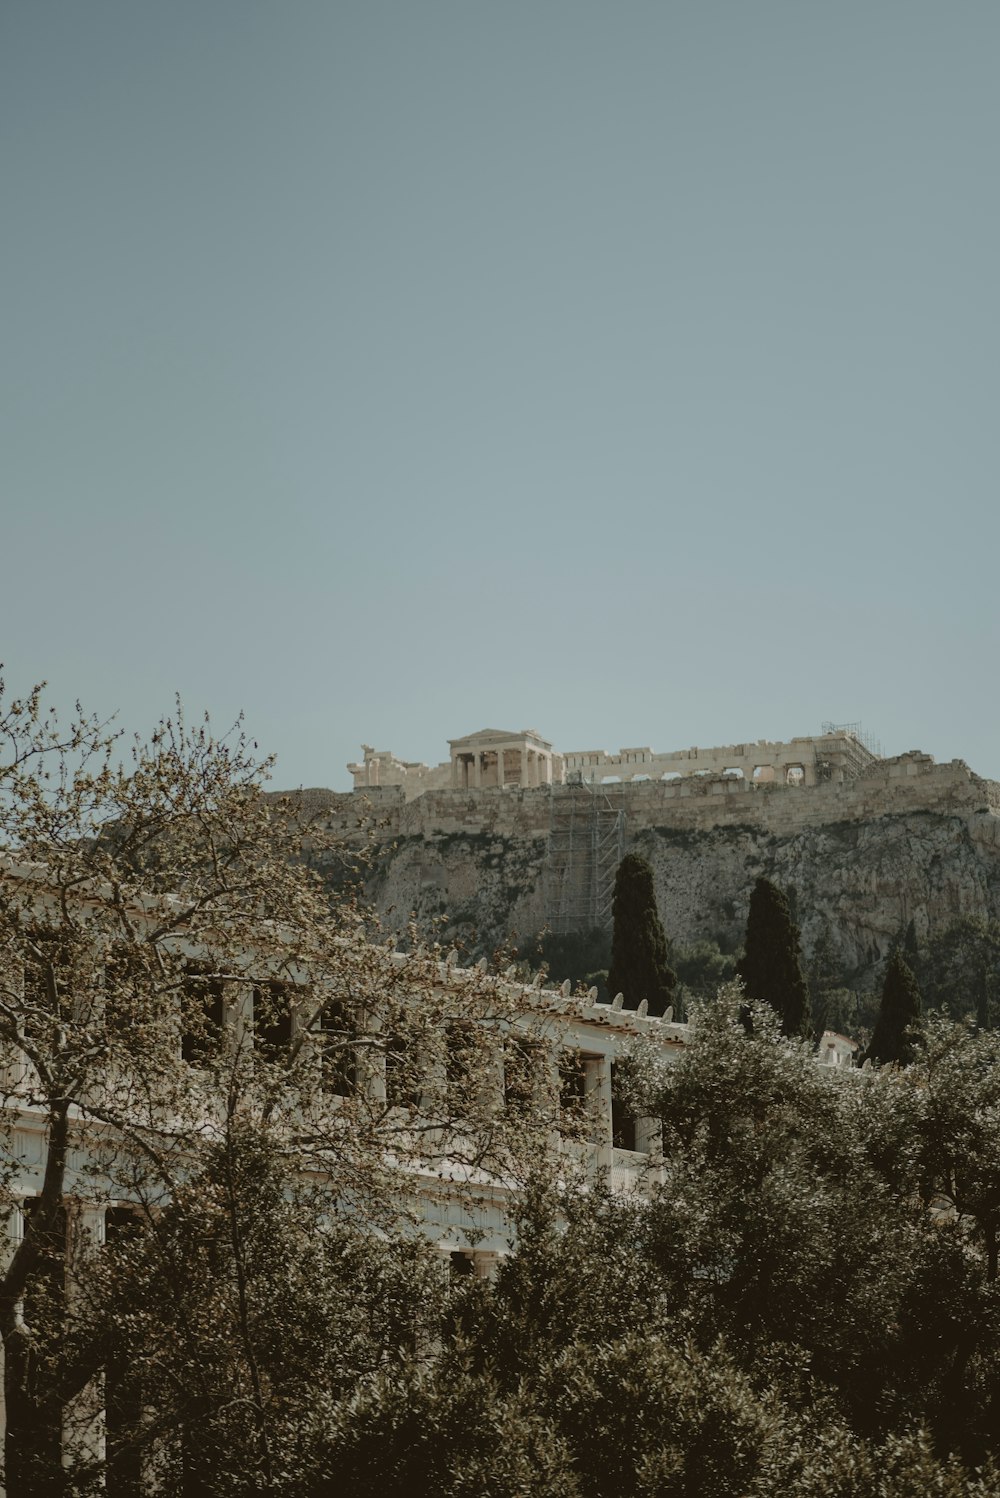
(960, 971)
(703, 968)
(639, 963)
(239, 1315)
(899, 1011)
(180, 997)
(783, 1315)
(580, 956)
(771, 966)
(957, 1079)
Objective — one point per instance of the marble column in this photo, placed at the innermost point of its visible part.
(598, 1081)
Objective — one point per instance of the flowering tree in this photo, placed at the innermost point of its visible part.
(180, 995)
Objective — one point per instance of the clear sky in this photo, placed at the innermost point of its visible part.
(388, 371)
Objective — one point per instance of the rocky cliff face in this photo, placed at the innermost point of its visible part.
(859, 881)
(912, 840)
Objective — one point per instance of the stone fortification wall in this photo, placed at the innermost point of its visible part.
(801, 761)
(909, 782)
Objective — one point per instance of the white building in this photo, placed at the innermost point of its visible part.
(545, 1068)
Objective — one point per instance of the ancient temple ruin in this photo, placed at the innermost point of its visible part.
(499, 759)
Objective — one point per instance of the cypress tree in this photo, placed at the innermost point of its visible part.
(771, 965)
(910, 946)
(898, 1012)
(639, 967)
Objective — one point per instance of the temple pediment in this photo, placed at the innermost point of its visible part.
(486, 738)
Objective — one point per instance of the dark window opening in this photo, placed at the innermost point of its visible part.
(272, 1021)
(462, 1265)
(572, 1088)
(402, 1082)
(123, 991)
(339, 1052)
(461, 1053)
(202, 1016)
(48, 972)
(521, 1072)
(624, 1125)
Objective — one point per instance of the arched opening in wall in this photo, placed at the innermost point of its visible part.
(640, 777)
(732, 772)
(795, 775)
(763, 774)
(671, 775)
(611, 780)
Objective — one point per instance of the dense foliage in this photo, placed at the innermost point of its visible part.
(771, 965)
(807, 1304)
(958, 969)
(639, 965)
(191, 1031)
(899, 1011)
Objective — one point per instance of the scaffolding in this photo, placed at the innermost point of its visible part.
(586, 845)
(861, 749)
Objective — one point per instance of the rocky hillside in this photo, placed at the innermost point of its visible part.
(912, 840)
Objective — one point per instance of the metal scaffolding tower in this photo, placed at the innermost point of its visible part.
(586, 845)
(863, 749)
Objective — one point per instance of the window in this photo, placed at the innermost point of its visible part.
(123, 988)
(273, 1025)
(522, 1072)
(572, 1089)
(462, 1265)
(579, 1095)
(123, 1394)
(462, 1052)
(624, 1130)
(51, 967)
(402, 1075)
(338, 1048)
(203, 1013)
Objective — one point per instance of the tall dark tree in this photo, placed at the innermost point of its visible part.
(898, 1013)
(639, 966)
(771, 965)
(910, 946)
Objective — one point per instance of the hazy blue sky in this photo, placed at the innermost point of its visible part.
(389, 371)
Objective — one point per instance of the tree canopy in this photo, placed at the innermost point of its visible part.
(205, 1051)
(899, 1011)
(639, 968)
(791, 1309)
(771, 965)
